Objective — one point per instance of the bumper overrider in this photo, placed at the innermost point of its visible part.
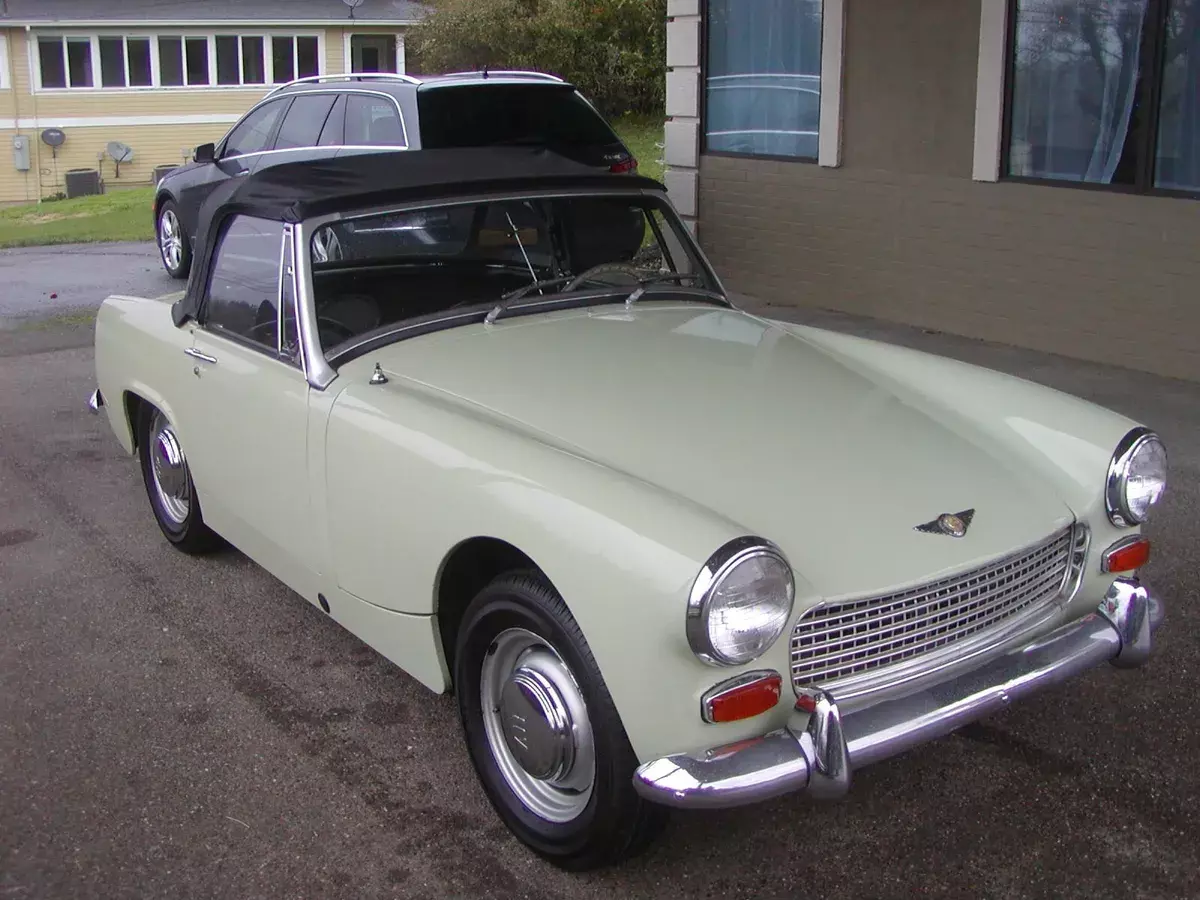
(820, 759)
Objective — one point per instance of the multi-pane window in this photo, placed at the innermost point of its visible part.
(174, 60)
(1106, 92)
(763, 77)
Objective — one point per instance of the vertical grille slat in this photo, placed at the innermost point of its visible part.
(850, 638)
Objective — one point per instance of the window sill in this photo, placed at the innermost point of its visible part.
(1095, 187)
(803, 160)
(174, 89)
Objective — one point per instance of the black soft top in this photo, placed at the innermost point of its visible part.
(298, 191)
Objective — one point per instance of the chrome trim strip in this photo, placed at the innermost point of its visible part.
(821, 758)
(1118, 471)
(714, 569)
(729, 685)
(317, 369)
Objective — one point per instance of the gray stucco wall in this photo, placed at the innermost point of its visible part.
(901, 232)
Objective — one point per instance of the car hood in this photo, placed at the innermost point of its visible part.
(759, 425)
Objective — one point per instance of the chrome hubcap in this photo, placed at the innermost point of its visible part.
(537, 725)
(170, 239)
(169, 468)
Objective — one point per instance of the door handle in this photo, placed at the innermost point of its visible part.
(196, 354)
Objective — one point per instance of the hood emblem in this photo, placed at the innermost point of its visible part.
(950, 524)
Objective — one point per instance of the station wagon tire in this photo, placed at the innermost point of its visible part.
(169, 484)
(578, 809)
(174, 244)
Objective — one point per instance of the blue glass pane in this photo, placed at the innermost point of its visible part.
(1178, 157)
(763, 77)
(1075, 89)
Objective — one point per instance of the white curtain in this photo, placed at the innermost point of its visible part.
(1177, 164)
(1075, 86)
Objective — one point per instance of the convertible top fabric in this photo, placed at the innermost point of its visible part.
(295, 192)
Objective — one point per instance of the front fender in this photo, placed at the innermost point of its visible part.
(624, 554)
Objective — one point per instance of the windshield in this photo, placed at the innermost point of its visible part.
(373, 273)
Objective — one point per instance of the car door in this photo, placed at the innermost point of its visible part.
(248, 410)
(236, 156)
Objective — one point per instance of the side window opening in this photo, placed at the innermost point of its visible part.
(304, 121)
(373, 121)
(243, 290)
(253, 134)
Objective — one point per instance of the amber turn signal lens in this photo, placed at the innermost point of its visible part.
(745, 700)
(1125, 556)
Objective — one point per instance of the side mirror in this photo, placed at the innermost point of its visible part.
(205, 153)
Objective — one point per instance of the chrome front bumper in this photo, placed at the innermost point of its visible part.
(820, 759)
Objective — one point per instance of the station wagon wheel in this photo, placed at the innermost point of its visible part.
(169, 484)
(542, 731)
(174, 245)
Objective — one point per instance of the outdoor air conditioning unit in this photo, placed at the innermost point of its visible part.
(161, 171)
(82, 182)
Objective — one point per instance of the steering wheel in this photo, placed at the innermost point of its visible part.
(624, 268)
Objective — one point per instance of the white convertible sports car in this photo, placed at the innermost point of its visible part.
(494, 413)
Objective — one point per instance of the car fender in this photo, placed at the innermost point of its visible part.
(411, 474)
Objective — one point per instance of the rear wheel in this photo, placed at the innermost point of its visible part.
(174, 244)
(169, 484)
(542, 730)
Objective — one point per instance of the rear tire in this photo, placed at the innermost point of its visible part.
(174, 243)
(169, 484)
(563, 782)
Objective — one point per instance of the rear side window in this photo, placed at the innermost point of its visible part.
(335, 124)
(372, 122)
(484, 115)
(243, 292)
(253, 133)
(304, 120)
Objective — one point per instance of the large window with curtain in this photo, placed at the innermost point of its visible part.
(762, 80)
(1106, 92)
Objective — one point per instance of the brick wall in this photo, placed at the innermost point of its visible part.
(901, 232)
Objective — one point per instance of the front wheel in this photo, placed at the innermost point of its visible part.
(174, 245)
(542, 731)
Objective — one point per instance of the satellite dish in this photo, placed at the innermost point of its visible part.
(353, 4)
(120, 153)
(53, 138)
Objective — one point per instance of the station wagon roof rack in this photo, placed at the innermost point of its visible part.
(349, 76)
(504, 73)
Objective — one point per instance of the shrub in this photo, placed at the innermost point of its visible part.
(614, 51)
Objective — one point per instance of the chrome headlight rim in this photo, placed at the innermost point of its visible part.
(714, 571)
(1116, 500)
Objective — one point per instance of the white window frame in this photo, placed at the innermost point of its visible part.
(347, 54)
(5, 82)
(295, 36)
(183, 34)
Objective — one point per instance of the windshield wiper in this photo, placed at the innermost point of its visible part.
(662, 278)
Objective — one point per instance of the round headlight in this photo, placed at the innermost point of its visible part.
(1137, 477)
(740, 603)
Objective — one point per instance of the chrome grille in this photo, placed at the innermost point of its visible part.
(846, 639)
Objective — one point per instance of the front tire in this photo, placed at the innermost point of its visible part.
(542, 731)
(169, 484)
(174, 244)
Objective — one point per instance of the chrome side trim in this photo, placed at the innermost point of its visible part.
(715, 568)
(821, 758)
(95, 402)
(317, 369)
(1114, 485)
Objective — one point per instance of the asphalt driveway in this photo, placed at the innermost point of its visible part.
(180, 727)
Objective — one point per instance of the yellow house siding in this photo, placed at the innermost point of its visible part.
(161, 124)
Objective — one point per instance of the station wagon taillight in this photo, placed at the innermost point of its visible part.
(625, 165)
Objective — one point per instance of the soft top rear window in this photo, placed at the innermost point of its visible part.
(490, 114)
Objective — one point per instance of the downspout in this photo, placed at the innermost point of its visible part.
(37, 144)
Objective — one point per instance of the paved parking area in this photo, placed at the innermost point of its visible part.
(178, 727)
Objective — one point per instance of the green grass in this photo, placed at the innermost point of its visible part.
(120, 216)
(642, 135)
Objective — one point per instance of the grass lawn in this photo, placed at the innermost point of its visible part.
(120, 216)
(125, 215)
(641, 135)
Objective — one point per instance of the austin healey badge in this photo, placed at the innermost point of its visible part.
(950, 524)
